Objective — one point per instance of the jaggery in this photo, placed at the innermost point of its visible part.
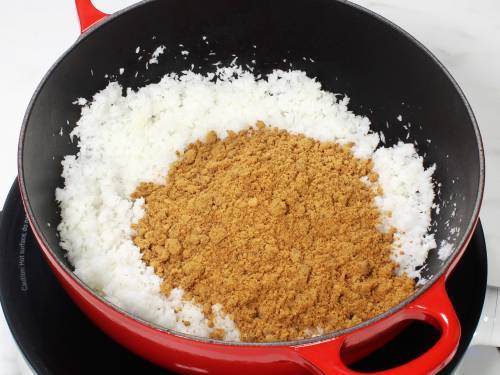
(276, 227)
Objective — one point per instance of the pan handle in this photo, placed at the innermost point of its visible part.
(433, 307)
(88, 14)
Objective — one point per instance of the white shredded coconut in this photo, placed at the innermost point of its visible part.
(408, 198)
(382, 137)
(445, 250)
(125, 140)
(157, 52)
(80, 101)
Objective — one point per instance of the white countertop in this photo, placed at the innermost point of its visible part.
(463, 34)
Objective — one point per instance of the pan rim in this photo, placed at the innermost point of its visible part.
(473, 219)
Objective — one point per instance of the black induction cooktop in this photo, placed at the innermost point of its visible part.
(56, 338)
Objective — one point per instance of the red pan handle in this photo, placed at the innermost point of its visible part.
(88, 14)
(433, 307)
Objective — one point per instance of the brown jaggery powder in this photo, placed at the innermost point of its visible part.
(276, 227)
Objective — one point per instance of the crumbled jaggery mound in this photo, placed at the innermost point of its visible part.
(277, 228)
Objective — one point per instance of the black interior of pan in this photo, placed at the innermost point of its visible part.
(349, 50)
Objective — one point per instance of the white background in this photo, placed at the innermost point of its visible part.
(464, 34)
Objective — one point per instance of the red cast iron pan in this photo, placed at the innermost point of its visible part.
(33, 303)
(383, 70)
